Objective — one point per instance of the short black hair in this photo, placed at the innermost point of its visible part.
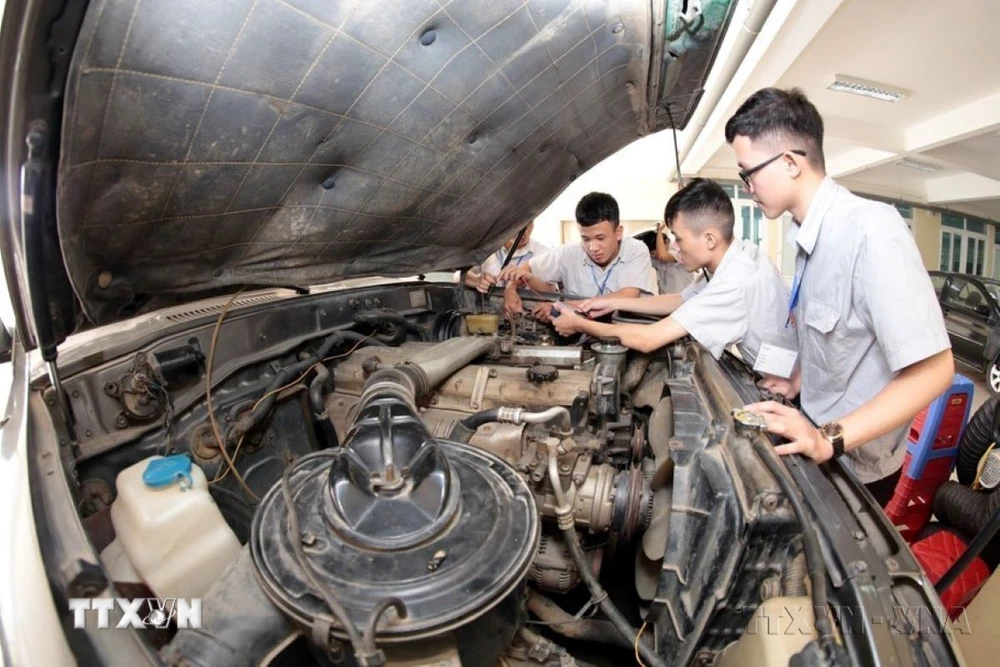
(648, 237)
(595, 208)
(705, 204)
(781, 116)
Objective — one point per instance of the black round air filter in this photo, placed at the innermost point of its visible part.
(456, 553)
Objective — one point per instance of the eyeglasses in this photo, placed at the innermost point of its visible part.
(747, 173)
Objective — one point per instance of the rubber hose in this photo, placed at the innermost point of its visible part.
(317, 388)
(394, 318)
(960, 507)
(793, 579)
(597, 592)
(567, 625)
(982, 430)
(465, 429)
(256, 416)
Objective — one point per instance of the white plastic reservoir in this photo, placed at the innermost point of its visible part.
(170, 533)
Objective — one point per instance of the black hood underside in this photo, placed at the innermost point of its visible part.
(208, 144)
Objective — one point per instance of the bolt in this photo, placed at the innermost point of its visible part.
(892, 564)
(617, 29)
(263, 338)
(859, 536)
(88, 433)
(436, 560)
(475, 404)
(493, 372)
(270, 435)
(578, 479)
(564, 467)
(121, 421)
(770, 502)
(50, 398)
(308, 539)
(859, 567)
(434, 401)
(75, 394)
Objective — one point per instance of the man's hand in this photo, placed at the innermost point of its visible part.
(486, 280)
(512, 304)
(789, 388)
(601, 305)
(803, 438)
(568, 322)
(515, 273)
(541, 311)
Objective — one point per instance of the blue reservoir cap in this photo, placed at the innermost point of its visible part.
(164, 472)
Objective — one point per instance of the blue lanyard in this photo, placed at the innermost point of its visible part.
(601, 286)
(793, 301)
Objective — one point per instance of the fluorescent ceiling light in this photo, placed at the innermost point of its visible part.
(915, 164)
(875, 91)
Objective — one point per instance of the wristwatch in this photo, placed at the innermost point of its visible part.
(834, 432)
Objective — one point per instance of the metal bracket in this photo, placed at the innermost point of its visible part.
(479, 388)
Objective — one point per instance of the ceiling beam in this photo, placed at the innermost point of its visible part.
(970, 120)
(856, 159)
(961, 187)
(963, 159)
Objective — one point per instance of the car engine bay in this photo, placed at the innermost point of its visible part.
(404, 490)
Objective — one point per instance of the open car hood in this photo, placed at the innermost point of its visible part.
(305, 141)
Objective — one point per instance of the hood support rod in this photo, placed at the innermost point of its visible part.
(36, 213)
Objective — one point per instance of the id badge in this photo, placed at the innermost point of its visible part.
(777, 356)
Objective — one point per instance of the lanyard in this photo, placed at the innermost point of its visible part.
(601, 287)
(517, 260)
(793, 301)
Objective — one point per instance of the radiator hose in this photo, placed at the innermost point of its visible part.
(982, 430)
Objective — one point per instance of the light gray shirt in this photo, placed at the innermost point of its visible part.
(671, 277)
(492, 263)
(745, 303)
(866, 310)
(570, 265)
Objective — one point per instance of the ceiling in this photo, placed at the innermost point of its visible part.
(943, 56)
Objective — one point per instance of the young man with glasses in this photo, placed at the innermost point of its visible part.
(869, 359)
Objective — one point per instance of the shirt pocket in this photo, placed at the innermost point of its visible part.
(821, 317)
(826, 346)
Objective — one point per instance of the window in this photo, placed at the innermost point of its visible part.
(994, 290)
(971, 297)
(963, 245)
(749, 223)
(938, 281)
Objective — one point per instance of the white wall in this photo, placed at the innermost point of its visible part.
(636, 176)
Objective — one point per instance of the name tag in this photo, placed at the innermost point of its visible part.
(775, 360)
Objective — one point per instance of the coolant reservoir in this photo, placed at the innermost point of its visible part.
(169, 528)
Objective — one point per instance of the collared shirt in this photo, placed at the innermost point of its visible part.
(492, 263)
(671, 277)
(866, 310)
(570, 265)
(745, 303)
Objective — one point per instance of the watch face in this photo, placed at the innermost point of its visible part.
(832, 430)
